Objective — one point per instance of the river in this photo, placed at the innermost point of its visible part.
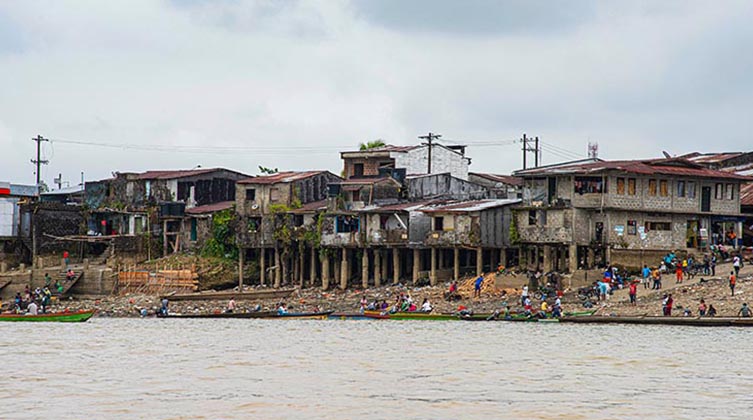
(273, 369)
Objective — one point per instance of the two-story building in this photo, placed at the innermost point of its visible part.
(624, 212)
(415, 160)
(278, 222)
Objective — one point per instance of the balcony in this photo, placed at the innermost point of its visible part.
(388, 237)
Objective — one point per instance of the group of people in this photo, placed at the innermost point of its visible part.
(403, 303)
(33, 302)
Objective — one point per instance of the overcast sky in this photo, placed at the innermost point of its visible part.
(289, 84)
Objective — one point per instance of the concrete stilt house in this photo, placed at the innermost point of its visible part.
(631, 212)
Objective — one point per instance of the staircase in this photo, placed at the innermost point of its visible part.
(67, 284)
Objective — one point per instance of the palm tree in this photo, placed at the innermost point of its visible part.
(372, 144)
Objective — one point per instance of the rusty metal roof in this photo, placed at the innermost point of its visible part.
(211, 208)
(505, 179)
(180, 173)
(313, 207)
(669, 166)
(746, 194)
(469, 206)
(711, 157)
(280, 177)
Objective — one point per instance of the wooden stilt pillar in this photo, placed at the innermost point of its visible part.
(325, 272)
(395, 265)
(301, 265)
(433, 275)
(383, 265)
(344, 270)
(241, 258)
(378, 267)
(416, 264)
(278, 269)
(456, 264)
(365, 268)
(479, 260)
(312, 268)
(262, 266)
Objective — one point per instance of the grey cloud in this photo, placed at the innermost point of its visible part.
(477, 17)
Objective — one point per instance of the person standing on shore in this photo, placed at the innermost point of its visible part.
(633, 292)
(702, 308)
(524, 295)
(231, 305)
(678, 274)
(66, 259)
(736, 264)
(670, 302)
(477, 285)
(713, 265)
(732, 281)
(646, 273)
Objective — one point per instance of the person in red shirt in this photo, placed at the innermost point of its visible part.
(732, 281)
(633, 292)
(678, 272)
(66, 259)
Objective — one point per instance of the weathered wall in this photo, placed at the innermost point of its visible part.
(444, 186)
(443, 160)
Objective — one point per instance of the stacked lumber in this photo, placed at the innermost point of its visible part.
(159, 282)
(488, 287)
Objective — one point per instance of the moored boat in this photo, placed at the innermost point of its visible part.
(357, 316)
(78, 316)
(251, 315)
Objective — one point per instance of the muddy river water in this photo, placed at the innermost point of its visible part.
(272, 369)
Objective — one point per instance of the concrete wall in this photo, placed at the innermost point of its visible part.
(415, 161)
(444, 185)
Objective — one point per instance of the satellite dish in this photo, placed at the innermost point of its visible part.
(254, 206)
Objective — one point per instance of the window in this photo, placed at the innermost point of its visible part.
(274, 194)
(589, 185)
(357, 169)
(632, 227)
(681, 188)
(250, 194)
(194, 230)
(298, 220)
(254, 224)
(532, 218)
(439, 223)
(690, 189)
(657, 226)
(663, 188)
(631, 186)
(346, 224)
(621, 186)
(719, 191)
(730, 191)
(652, 187)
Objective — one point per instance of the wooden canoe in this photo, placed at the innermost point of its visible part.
(665, 320)
(79, 316)
(358, 316)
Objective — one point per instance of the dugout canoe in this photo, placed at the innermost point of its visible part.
(251, 315)
(357, 316)
(78, 316)
(664, 320)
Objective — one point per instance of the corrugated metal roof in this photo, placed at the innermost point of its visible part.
(280, 177)
(313, 207)
(368, 181)
(671, 166)
(746, 194)
(409, 206)
(211, 208)
(470, 206)
(75, 189)
(180, 173)
(385, 148)
(711, 157)
(505, 179)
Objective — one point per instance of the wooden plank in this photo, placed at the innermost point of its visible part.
(252, 295)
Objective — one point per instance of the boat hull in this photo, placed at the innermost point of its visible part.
(80, 316)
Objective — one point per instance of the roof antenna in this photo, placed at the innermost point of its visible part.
(666, 155)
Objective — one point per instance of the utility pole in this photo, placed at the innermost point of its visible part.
(430, 139)
(39, 162)
(526, 148)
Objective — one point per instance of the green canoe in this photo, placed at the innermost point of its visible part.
(80, 316)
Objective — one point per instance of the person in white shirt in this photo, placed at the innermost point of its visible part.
(426, 306)
(736, 264)
(231, 306)
(32, 309)
(524, 295)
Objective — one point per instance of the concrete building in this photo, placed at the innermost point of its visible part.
(412, 160)
(631, 212)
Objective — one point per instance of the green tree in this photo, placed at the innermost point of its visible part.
(268, 171)
(372, 144)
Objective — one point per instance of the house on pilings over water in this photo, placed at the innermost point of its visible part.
(586, 213)
(396, 216)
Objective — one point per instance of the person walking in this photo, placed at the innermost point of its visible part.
(732, 281)
(736, 264)
(713, 265)
(477, 285)
(633, 292)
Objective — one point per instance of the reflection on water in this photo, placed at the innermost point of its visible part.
(175, 369)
